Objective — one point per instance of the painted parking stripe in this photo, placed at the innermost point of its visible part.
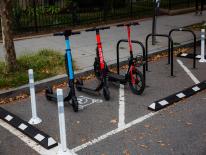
(160, 104)
(32, 132)
(189, 73)
(114, 132)
(188, 55)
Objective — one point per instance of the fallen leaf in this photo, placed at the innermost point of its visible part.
(159, 141)
(83, 140)
(162, 144)
(126, 152)
(141, 137)
(188, 123)
(147, 126)
(113, 121)
(144, 146)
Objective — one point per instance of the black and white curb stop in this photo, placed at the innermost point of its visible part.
(35, 134)
(160, 104)
(202, 56)
(188, 55)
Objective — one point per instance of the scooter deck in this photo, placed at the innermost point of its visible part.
(114, 77)
(51, 97)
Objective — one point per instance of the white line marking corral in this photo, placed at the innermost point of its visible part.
(196, 81)
(121, 122)
(30, 143)
(113, 132)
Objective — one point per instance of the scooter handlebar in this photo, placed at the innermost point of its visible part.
(58, 34)
(104, 28)
(75, 33)
(99, 28)
(66, 33)
(120, 25)
(135, 23)
(128, 24)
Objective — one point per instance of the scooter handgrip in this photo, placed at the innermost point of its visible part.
(104, 28)
(120, 25)
(58, 34)
(75, 33)
(135, 23)
(91, 29)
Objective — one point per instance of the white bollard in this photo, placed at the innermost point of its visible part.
(62, 129)
(202, 56)
(35, 119)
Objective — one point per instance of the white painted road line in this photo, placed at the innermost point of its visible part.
(33, 145)
(113, 132)
(196, 81)
(121, 122)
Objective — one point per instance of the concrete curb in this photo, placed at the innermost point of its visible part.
(43, 84)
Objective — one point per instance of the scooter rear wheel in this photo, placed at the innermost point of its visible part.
(79, 83)
(106, 93)
(139, 85)
(48, 91)
(75, 104)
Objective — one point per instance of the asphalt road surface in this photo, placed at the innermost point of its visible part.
(124, 125)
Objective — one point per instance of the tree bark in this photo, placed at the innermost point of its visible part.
(8, 44)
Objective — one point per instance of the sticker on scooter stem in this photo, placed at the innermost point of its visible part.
(86, 101)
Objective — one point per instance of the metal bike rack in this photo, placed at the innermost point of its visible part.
(170, 50)
(143, 50)
(194, 44)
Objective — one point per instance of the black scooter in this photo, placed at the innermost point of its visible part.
(133, 76)
(69, 68)
(99, 61)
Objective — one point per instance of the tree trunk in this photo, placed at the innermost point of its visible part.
(8, 44)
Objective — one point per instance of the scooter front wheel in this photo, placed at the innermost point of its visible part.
(47, 92)
(106, 93)
(79, 84)
(136, 83)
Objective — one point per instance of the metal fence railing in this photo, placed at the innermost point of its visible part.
(38, 15)
(177, 4)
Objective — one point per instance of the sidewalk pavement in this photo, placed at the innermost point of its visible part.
(83, 45)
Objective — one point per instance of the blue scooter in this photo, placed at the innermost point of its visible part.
(69, 68)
